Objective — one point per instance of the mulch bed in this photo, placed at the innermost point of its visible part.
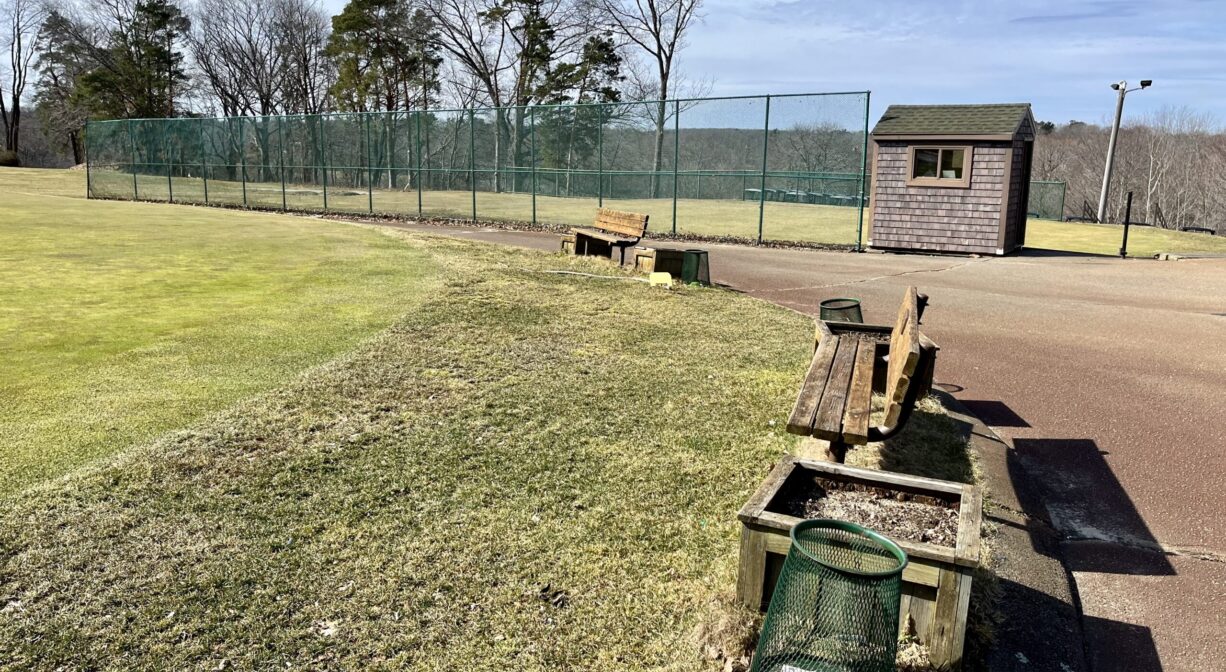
(899, 515)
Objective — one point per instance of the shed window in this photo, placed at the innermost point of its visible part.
(940, 166)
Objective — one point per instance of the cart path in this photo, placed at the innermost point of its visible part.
(1106, 377)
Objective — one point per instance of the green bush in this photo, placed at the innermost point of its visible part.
(9, 159)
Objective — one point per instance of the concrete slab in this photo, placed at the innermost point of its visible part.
(1140, 619)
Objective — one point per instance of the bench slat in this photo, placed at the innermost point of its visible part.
(828, 423)
(860, 395)
(904, 356)
(603, 235)
(803, 413)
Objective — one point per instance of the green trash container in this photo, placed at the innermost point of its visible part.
(695, 267)
(842, 310)
(835, 607)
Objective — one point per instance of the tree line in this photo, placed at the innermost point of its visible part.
(77, 60)
(1173, 160)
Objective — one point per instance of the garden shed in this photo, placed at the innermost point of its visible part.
(951, 178)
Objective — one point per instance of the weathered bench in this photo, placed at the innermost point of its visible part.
(612, 229)
(850, 362)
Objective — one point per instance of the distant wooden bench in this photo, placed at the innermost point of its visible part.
(836, 398)
(612, 229)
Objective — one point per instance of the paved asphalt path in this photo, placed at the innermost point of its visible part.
(1108, 379)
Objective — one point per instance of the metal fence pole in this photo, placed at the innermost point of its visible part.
(676, 156)
(170, 187)
(417, 153)
(863, 174)
(132, 157)
(370, 177)
(532, 122)
(89, 178)
(281, 144)
(242, 155)
(472, 157)
(766, 132)
(1063, 192)
(324, 156)
(204, 161)
(600, 159)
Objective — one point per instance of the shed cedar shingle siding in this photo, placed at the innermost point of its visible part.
(938, 218)
(951, 219)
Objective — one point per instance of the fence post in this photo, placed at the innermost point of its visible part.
(132, 157)
(323, 156)
(89, 181)
(676, 156)
(472, 157)
(1127, 223)
(204, 161)
(242, 154)
(170, 187)
(281, 144)
(532, 122)
(420, 176)
(766, 133)
(370, 175)
(863, 174)
(600, 159)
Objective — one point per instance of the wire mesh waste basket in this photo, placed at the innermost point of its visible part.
(695, 267)
(841, 310)
(835, 608)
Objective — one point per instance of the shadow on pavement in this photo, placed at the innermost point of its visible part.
(1040, 252)
(1113, 645)
(1071, 485)
(994, 413)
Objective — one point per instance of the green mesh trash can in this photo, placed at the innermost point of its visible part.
(841, 310)
(835, 607)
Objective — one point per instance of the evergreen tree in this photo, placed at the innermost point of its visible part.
(385, 56)
(142, 73)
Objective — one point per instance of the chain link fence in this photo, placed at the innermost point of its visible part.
(778, 168)
(1046, 199)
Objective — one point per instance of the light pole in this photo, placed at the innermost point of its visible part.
(1122, 87)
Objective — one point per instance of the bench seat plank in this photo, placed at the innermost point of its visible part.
(803, 413)
(828, 423)
(860, 395)
(603, 235)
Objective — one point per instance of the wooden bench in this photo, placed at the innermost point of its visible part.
(850, 362)
(611, 229)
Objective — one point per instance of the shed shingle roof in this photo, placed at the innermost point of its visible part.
(1004, 119)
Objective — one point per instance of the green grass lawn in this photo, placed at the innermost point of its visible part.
(122, 321)
(525, 470)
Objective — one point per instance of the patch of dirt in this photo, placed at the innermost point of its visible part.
(898, 515)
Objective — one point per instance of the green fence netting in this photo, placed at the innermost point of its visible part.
(785, 168)
(836, 604)
(1046, 199)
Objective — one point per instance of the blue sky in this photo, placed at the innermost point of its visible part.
(1060, 55)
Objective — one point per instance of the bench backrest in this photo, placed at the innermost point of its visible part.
(629, 224)
(904, 356)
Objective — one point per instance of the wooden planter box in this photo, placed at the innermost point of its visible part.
(936, 584)
(652, 260)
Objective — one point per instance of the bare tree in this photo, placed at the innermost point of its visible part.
(306, 73)
(21, 20)
(658, 28)
(236, 47)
